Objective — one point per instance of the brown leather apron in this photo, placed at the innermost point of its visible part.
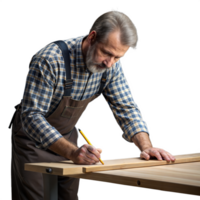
(29, 185)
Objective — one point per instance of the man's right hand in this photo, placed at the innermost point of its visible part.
(86, 155)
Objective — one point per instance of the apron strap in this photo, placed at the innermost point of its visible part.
(68, 85)
(65, 53)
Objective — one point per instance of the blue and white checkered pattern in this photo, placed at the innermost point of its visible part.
(45, 88)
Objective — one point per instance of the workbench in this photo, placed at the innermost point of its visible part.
(181, 176)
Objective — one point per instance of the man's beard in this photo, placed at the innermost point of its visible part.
(91, 65)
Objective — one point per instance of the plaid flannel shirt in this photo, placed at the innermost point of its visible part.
(45, 87)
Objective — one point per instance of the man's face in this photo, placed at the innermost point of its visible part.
(102, 56)
(93, 66)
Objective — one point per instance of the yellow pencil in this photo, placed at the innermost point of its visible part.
(88, 140)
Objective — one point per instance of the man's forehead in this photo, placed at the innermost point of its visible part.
(112, 52)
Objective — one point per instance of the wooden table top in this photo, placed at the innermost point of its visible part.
(182, 176)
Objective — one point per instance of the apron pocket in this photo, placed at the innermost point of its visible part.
(72, 112)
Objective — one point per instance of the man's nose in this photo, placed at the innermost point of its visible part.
(109, 62)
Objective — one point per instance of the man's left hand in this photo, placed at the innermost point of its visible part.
(160, 154)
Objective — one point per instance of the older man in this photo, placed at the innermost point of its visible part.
(63, 78)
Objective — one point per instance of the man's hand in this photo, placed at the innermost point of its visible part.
(143, 142)
(86, 155)
(160, 154)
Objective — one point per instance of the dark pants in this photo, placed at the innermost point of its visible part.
(29, 185)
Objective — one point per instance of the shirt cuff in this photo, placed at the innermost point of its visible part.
(132, 129)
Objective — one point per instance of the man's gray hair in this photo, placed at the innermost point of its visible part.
(112, 21)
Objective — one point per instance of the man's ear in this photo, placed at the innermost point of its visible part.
(92, 37)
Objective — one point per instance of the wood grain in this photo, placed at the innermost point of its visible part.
(69, 168)
(138, 162)
(182, 178)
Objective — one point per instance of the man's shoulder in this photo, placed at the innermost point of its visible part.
(52, 52)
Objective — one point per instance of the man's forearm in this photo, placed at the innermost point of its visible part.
(63, 148)
(142, 141)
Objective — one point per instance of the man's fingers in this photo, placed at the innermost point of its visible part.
(92, 153)
(155, 153)
(85, 159)
(144, 155)
(99, 150)
(160, 154)
(166, 155)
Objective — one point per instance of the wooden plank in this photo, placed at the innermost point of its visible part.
(138, 162)
(69, 168)
(58, 168)
(182, 178)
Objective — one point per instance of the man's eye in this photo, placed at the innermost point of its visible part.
(106, 53)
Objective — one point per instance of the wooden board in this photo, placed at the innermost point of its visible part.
(138, 162)
(68, 168)
(182, 178)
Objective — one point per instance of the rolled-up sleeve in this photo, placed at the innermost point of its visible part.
(37, 97)
(125, 110)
